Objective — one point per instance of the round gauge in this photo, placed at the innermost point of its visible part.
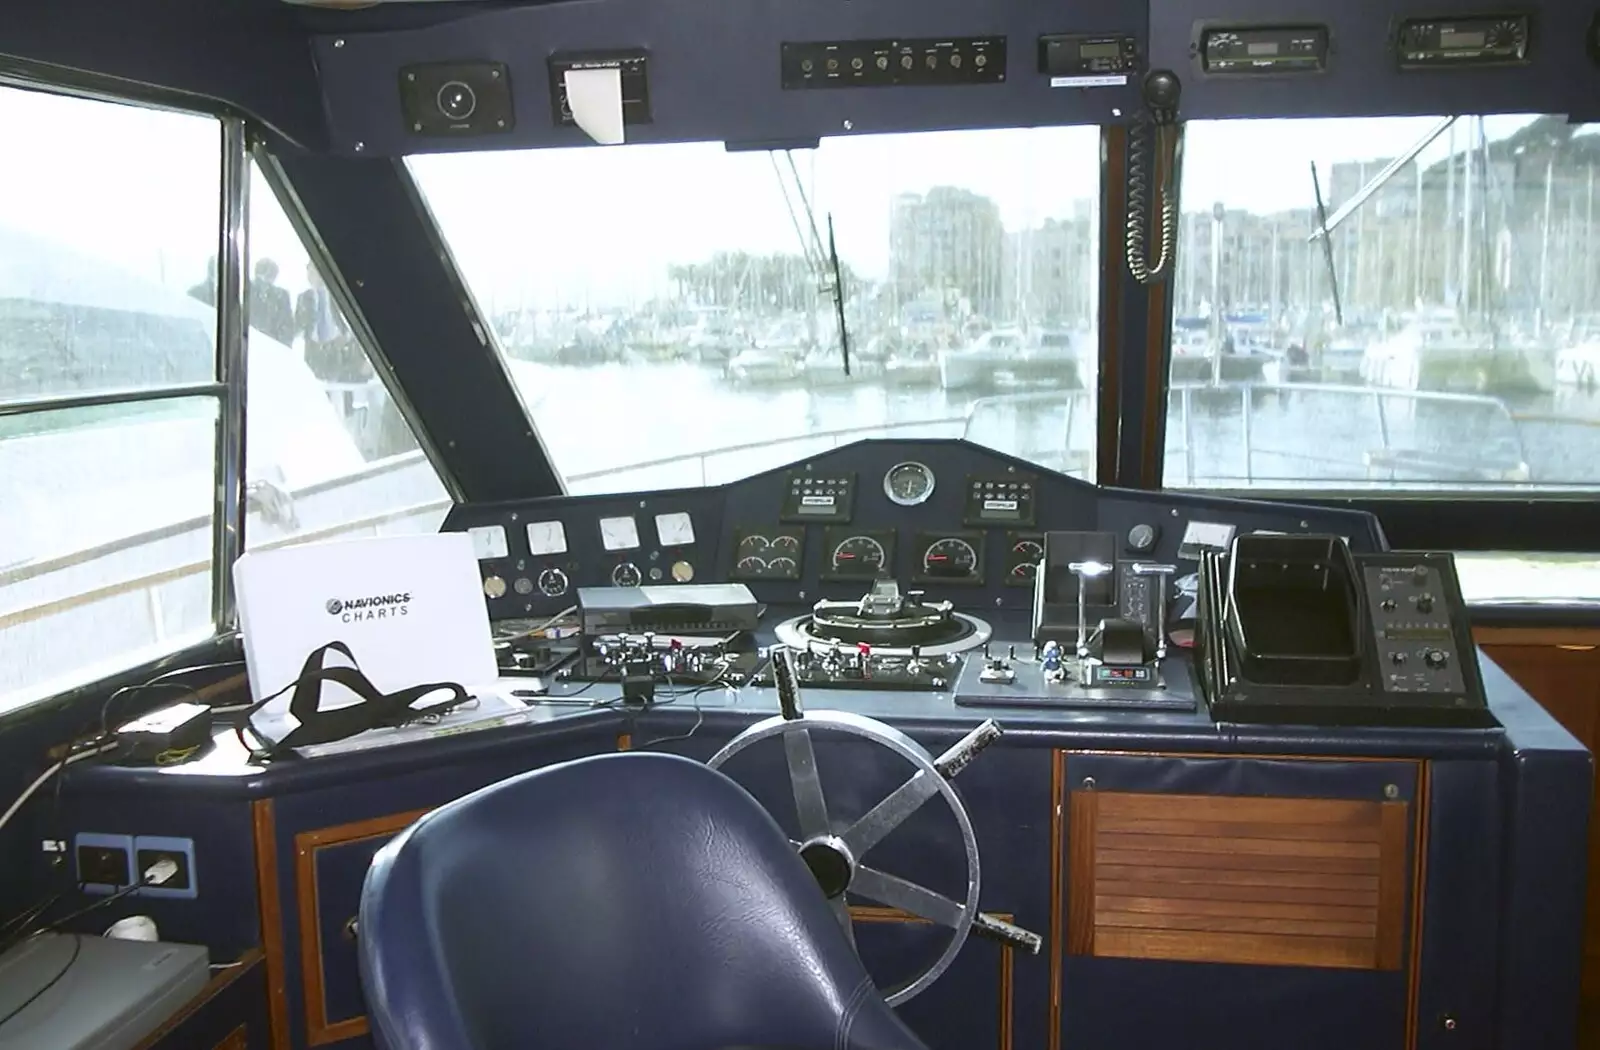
(1025, 558)
(494, 586)
(626, 575)
(553, 583)
(859, 554)
(908, 484)
(751, 564)
(682, 571)
(754, 543)
(951, 557)
(785, 568)
(788, 544)
(1141, 538)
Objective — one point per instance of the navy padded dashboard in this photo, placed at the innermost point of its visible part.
(720, 513)
(714, 68)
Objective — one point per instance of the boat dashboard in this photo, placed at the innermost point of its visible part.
(957, 521)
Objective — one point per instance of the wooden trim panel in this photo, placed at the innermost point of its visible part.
(1579, 637)
(271, 901)
(1058, 778)
(219, 980)
(238, 1039)
(319, 1031)
(871, 913)
(1235, 879)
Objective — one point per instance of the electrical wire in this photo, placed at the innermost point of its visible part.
(1139, 264)
(44, 777)
(77, 949)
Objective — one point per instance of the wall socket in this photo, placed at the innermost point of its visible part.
(104, 863)
(150, 849)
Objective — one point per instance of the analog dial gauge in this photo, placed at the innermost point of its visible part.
(859, 554)
(908, 484)
(546, 537)
(950, 558)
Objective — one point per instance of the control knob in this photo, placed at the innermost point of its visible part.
(1436, 659)
(1419, 575)
(1424, 603)
(553, 583)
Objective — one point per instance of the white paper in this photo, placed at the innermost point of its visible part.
(595, 98)
(1108, 80)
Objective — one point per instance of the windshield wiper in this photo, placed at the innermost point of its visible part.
(824, 265)
(1327, 244)
(838, 296)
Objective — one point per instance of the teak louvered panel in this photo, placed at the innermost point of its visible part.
(1232, 879)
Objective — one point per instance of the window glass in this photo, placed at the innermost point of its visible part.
(94, 268)
(1444, 335)
(108, 215)
(669, 311)
(1520, 578)
(105, 541)
(329, 455)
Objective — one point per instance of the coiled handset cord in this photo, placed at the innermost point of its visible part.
(1161, 91)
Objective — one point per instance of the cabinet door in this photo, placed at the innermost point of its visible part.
(330, 867)
(1205, 897)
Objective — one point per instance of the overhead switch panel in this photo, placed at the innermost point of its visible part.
(894, 63)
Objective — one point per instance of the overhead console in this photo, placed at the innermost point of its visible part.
(786, 75)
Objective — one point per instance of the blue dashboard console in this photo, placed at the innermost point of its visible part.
(1199, 878)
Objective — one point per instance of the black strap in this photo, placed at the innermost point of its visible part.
(376, 710)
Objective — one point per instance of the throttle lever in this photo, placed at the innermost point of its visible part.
(783, 677)
(997, 929)
(963, 751)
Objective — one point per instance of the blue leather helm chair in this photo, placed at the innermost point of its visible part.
(622, 902)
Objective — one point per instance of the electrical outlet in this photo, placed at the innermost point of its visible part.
(104, 862)
(151, 849)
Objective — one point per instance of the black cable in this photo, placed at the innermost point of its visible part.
(77, 949)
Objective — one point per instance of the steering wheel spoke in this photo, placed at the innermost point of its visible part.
(895, 892)
(809, 802)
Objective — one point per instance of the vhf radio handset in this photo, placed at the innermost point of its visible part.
(1161, 92)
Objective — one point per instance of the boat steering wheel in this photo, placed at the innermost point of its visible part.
(837, 855)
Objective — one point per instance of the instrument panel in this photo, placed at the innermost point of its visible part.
(955, 520)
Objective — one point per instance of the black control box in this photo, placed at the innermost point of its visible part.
(928, 62)
(1298, 629)
(1003, 500)
(818, 497)
(1075, 55)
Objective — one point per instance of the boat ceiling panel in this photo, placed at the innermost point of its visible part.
(713, 69)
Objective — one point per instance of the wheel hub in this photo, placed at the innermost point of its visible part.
(830, 863)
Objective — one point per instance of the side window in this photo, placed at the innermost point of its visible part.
(107, 215)
(328, 453)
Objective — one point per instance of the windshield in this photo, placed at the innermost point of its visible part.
(671, 313)
(1442, 336)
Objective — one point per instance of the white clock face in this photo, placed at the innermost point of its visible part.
(488, 541)
(675, 530)
(619, 534)
(547, 537)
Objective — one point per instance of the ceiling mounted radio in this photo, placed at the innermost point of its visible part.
(1248, 50)
(1490, 40)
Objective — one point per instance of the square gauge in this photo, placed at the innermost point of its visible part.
(547, 537)
(619, 534)
(675, 529)
(489, 541)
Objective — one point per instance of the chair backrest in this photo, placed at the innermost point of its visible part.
(621, 902)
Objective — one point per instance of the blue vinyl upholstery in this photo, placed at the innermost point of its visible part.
(621, 902)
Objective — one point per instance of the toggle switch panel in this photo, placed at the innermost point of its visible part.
(928, 62)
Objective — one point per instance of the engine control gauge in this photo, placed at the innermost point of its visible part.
(1024, 552)
(855, 554)
(908, 484)
(767, 553)
(949, 557)
(553, 583)
(1141, 538)
(626, 575)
